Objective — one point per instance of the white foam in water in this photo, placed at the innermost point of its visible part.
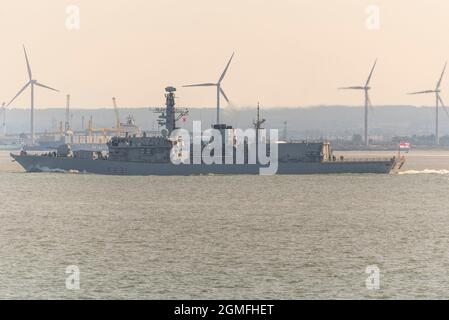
(47, 169)
(56, 170)
(425, 171)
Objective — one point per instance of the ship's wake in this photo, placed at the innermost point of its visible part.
(52, 170)
(426, 171)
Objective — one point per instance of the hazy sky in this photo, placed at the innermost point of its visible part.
(288, 52)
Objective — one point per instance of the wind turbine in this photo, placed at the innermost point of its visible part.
(219, 88)
(32, 82)
(438, 100)
(365, 88)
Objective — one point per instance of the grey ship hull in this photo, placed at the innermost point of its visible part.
(33, 163)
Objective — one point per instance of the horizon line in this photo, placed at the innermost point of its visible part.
(234, 108)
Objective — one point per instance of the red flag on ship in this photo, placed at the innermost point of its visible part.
(404, 146)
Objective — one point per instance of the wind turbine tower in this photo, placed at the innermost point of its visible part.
(3, 112)
(284, 132)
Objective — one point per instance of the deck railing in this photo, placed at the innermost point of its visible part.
(360, 159)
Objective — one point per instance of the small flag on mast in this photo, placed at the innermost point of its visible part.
(404, 146)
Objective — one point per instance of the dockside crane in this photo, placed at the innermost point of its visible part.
(67, 115)
(118, 126)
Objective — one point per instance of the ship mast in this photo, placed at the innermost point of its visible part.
(258, 125)
(170, 114)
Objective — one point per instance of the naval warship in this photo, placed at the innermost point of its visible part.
(151, 155)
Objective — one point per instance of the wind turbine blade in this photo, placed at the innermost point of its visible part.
(371, 73)
(421, 92)
(18, 94)
(30, 75)
(224, 95)
(226, 69)
(44, 86)
(201, 85)
(441, 77)
(443, 105)
(352, 88)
